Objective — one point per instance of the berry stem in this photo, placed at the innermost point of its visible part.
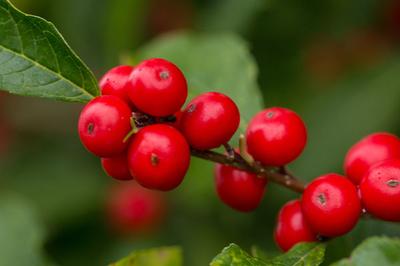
(273, 174)
(133, 131)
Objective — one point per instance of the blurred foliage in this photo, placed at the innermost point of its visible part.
(21, 234)
(123, 16)
(233, 255)
(230, 15)
(314, 57)
(352, 109)
(167, 256)
(302, 254)
(374, 251)
(201, 56)
(61, 195)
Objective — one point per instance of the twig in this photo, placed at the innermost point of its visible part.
(269, 172)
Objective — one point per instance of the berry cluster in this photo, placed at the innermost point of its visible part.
(140, 132)
(331, 205)
(138, 129)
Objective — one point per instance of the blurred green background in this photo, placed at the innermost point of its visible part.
(336, 63)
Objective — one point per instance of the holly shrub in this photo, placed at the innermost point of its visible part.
(193, 95)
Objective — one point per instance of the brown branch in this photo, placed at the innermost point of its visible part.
(273, 174)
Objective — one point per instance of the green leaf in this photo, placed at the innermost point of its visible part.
(36, 61)
(21, 234)
(382, 251)
(233, 255)
(165, 256)
(213, 62)
(304, 254)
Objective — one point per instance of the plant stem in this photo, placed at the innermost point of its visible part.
(273, 174)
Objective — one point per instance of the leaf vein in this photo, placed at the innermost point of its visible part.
(47, 69)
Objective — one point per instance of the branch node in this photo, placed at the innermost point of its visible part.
(230, 152)
(271, 173)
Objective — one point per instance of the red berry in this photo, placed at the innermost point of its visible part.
(159, 157)
(209, 120)
(380, 190)
(157, 87)
(372, 149)
(115, 82)
(117, 167)
(276, 136)
(103, 124)
(331, 205)
(241, 190)
(291, 227)
(132, 209)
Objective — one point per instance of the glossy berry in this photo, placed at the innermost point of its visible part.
(372, 149)
(157, 87)
(103, 124)
(239, 189)
(117, 167)
(276, 136)
(331, 205)
(115, 82)
(159, 157)
(291, 227)
(380, 190)
(209, 120)
(132, 209)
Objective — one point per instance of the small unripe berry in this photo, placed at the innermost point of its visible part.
(380, 190)
(115, 82)
(276, 136)
(103, 124)
(241, 190)
(133, 210)
(117, 167)
(331, 205)
(291, 227)
(209, 120)
(158, 157)
(370, 150)
(157, 87)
